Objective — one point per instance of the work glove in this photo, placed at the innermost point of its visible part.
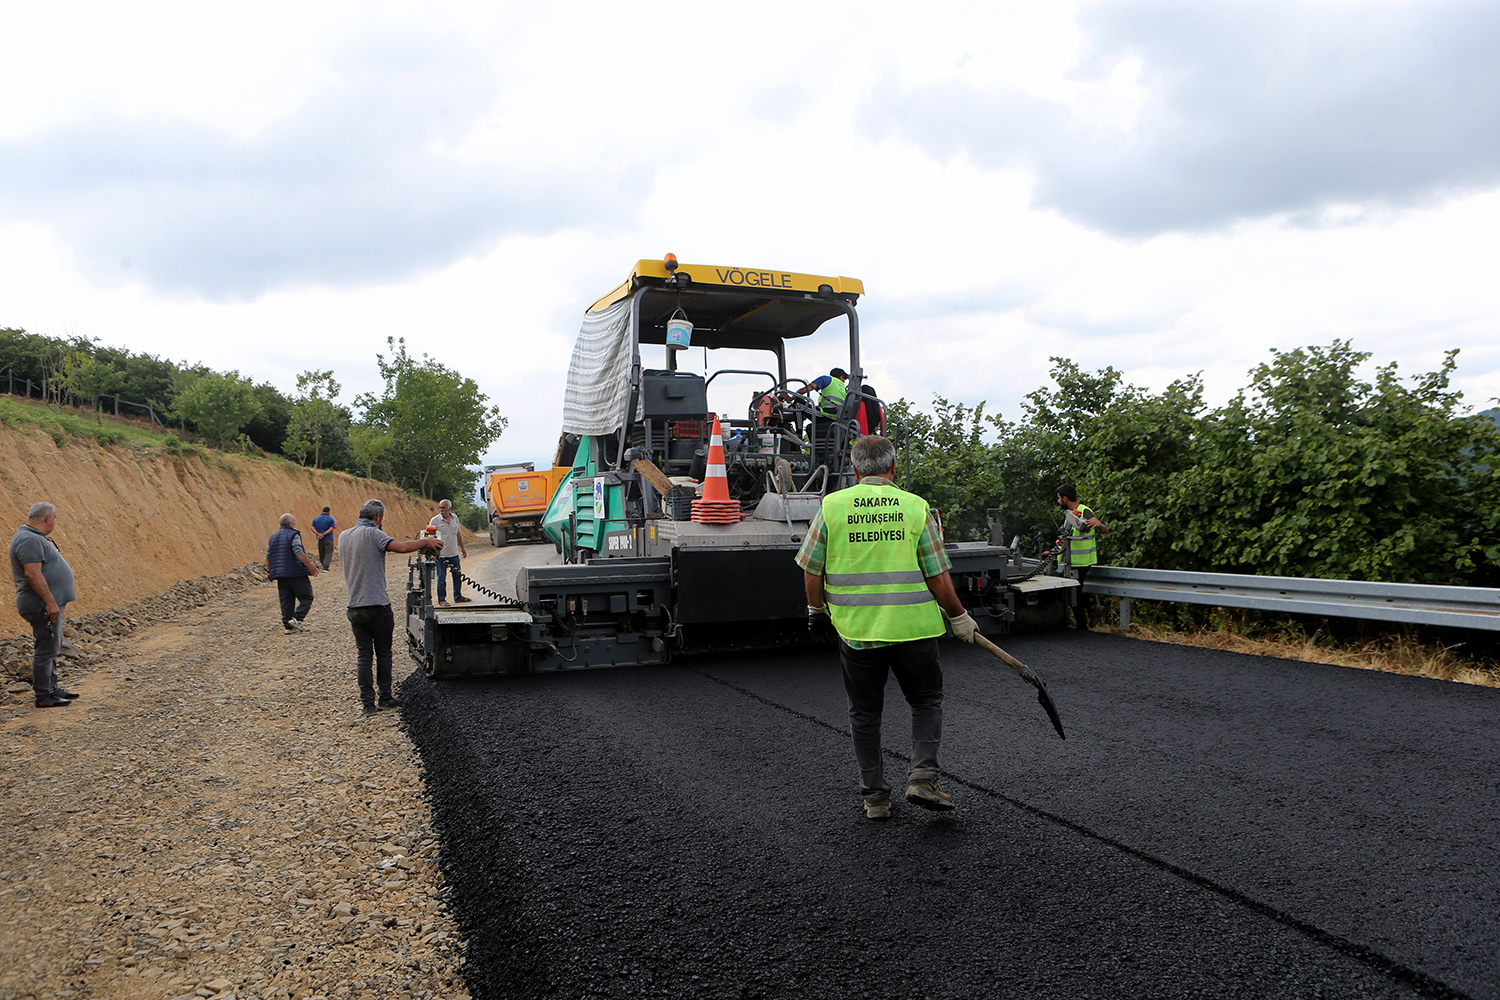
(963, 626)
(816, 611)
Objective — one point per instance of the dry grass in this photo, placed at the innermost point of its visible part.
(1397, 654)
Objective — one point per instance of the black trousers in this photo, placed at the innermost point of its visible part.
(296, 597)
(1081, 609)
(920, 677)
(373, 626)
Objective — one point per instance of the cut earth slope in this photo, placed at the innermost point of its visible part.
(132, 524)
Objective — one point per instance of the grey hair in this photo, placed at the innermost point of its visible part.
(873, 455)
(40, 510)
(287, 519)
(370, 509)
(448, 502)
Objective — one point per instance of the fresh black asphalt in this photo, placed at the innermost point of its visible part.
(1215, 825)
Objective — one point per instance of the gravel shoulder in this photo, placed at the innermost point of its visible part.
(214, 818)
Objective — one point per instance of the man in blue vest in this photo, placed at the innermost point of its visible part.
(287, 563)
(874, 562)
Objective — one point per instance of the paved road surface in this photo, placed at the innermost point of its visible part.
(1215, 825)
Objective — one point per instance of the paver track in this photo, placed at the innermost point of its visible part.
(1215, 825)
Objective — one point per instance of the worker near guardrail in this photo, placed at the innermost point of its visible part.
(452, 534)
(288, 564)
(1078, 532)
(323, 526)
(362, 551)
(44, 586)
(874, 562)
(831, 391)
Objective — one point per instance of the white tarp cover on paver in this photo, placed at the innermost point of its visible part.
(598, 388)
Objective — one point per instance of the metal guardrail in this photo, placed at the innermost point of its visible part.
(1462, 607)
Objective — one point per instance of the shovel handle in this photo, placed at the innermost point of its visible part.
(1001, 655)
(1029, 676)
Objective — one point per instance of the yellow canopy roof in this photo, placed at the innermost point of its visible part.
(750, 279)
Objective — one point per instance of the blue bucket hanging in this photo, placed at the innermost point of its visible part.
(679, 331)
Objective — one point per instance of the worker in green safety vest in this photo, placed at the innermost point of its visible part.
(832, 389)
(1078, 532)
(874, 562)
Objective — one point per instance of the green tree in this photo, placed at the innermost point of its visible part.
(371, 447)
(1125, 447)
(314, 416)
(85, 376)
(24, 356)
(1319, 473)
(267, 430)
(951, 464)
(439, 422)
(219, 406)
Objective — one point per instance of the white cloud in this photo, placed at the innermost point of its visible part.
(1190, 116)
(471, 178)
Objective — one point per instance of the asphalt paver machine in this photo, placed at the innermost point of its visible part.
(642, 580)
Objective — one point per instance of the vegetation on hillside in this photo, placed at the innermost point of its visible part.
(1309, 471)
(422, 433)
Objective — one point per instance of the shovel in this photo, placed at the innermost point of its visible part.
(1029, 676)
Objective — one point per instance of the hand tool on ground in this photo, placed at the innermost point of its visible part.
(1029, 676)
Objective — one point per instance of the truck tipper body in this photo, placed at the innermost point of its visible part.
(516, 496)
(644, 577)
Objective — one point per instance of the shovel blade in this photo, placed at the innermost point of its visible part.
(1046, 702)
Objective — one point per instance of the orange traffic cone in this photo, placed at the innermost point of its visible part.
(715, 506)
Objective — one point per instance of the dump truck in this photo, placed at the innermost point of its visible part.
(642, 581)
(516, 496)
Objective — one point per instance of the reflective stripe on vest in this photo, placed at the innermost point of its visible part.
(872, 581)
(1083, 548)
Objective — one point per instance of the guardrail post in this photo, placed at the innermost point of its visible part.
(1124, 614)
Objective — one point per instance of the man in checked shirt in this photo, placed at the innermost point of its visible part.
(874, 563)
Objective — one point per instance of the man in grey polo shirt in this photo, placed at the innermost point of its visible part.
(44, 586)
(362, 550)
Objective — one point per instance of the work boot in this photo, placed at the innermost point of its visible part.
(926, 792)
(370, 709)
(878, 810)
(389, 701)
(463, 600)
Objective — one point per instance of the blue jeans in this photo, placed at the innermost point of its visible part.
(444, 564)
(46, 642)
(915, 665)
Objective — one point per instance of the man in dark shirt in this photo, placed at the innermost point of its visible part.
(44, 586)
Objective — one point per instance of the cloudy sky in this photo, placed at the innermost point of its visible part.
(1165, 187)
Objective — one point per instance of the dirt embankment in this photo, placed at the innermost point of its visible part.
(133, 525)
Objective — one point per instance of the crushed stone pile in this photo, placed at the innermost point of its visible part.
(214, 818)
